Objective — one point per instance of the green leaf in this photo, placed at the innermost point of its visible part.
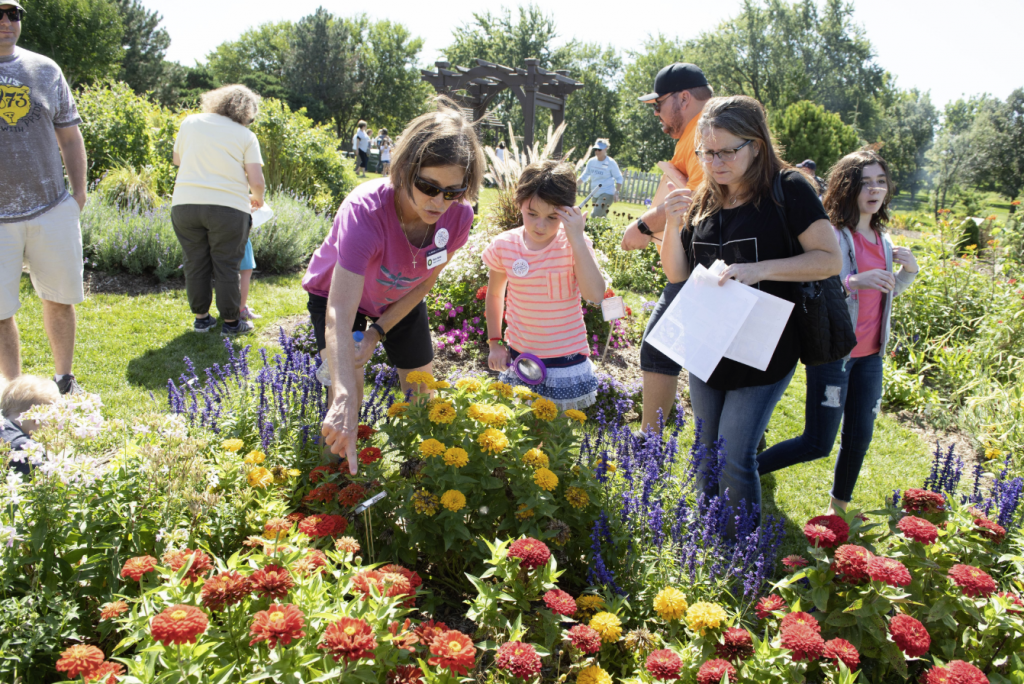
(839, 618)
(820, 598)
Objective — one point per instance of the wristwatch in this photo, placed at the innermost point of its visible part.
(642, 227)
(380, 331)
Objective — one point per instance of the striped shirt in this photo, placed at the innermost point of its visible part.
(543, 313)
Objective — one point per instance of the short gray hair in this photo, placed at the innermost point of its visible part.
(236, 102)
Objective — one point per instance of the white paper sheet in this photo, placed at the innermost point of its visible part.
(262, 215)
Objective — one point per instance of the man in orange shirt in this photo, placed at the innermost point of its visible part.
(680, 92)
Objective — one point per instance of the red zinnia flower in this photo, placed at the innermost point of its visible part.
(350, 639)
(322, 525)
(369, 455)
(585, 638)
(923, 500)
(481, 293)
(352, 494)
(272, 581)
(427, 630)
(112, 610)
(826, 531)
(295, 517)
(799, 618)
(805, 642)
(1016, 605)
(405, 674)
(404, 638)
(135, 568)
(310, 562)
(850, 563)
(180, 624)
(518, 659)
(794, 562)
(277, 624)
(414, 578)
(888, 570)
(531, 553)
(842, 650)
(712, 672)
(387, 583)
(609, 293)
(737, 644)
(990, 530)
(768, 604)
(201, 563)
(972, 581)
(322, 494)
(365, 432)
(910, 635)
(453, 650)
(664, 664)
(225, 589)
(106, 673)
(560, 602)
(918, 529)
(955, 672)
(319, 472)
(80, 659)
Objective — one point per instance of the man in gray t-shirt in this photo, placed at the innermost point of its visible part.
(39, 219)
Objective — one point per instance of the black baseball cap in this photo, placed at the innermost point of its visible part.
(675, 77)
(807, 164)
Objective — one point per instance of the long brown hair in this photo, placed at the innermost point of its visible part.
(439, 138)
(551, 180)
(844, 185)
(745, 118)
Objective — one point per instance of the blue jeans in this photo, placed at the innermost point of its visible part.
(740, 417)
(850, 395)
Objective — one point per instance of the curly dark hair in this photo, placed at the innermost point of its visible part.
(553, 181)
(844, 185)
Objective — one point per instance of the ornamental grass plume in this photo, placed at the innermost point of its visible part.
(531, 553)
(544, 409)
(277, 624)
(888, 570)
(224, 590)
(850, 563)
(805, 642)
(492, 441)
(454, 651)
(712, 671)
(767, 605)
(826, 531)
(664, 665)
(456, 457)
(135, 568)
(201, 563)
(973, 582)
(180, 624)
(910, 635)
(670, 604)
(431, 447)
(545, 479)
(350, 639)
(518, 659)
(918, 529)
(113, 609)
(272, 581)
(608, 626)
(737, 644)
(702, 616)
(841, 650)
(560, 603)
(453, 500)
(593, 674)
(955, 672)
(80, 660)
(585, 638)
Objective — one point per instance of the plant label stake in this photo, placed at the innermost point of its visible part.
(364, 508)
(612, 309)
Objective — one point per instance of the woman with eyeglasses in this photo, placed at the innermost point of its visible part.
(849, 391)
(733, 216)
(390, 240)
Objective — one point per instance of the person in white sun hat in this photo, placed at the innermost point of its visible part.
(604, 176)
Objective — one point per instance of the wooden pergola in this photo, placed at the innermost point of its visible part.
(533, 86)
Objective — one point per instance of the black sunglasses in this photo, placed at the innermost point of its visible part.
(13, 13)
(431, 190)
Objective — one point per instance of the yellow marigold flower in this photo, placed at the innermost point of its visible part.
(425, 502)
(495, 416)
(419, 378)
(492, 441)
(456, 457)
(442, 413)
(280, 474)
(992, 452)
(523, 513)
(544, 409)
(588, 603)
(431, 447)
(397, 409)
(545, 479)
(501, 389)
(593, 674)
(232, 445)
(524, 393)
(536, 458)
(259, 477)
(577, 415)
(670, 604)
(470, 385)
(453, 500)
(440, 384)
(702, 616)
(608, 626)
(294, 472)
(254, 458)
(577, 498)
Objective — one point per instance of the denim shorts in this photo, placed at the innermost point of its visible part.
(652, 360)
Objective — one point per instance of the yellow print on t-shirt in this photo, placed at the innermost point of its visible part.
(14, 103)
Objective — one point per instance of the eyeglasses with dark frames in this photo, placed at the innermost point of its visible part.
(431, 190)
(657, 103)
(708, 156)
(13, 13)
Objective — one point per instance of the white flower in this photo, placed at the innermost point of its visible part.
(141, 429)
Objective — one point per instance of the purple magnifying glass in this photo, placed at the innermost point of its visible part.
(529, 369)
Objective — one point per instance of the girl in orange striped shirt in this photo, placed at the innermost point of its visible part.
(545, 266)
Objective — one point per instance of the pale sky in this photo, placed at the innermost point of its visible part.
(950, 48)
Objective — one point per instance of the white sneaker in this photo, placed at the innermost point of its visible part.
(248, 314)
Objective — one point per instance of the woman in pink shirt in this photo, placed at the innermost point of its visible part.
(390, 240)
(545, 266)
(850, 390)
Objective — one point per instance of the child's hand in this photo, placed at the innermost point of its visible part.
(573, 220)
(499, 359)
(905, 258)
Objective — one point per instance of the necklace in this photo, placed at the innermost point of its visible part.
(408, 240)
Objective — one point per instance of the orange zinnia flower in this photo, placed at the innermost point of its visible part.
(80, 659)
(181, 624)
(350, 639)
(277, 624)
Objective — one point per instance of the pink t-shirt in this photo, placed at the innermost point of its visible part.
(543, 313)
(869, 312)
(368, 240)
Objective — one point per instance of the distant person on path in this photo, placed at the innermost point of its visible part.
(605, 178)
(24, 393)
(499, 152)
(39, 219)
(849, 391)
(811, 169)
(220, 181)
(390, 240)
(680, 93)
(385, 146)
(245, 270)
(361, 146)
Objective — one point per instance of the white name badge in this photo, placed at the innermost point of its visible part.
(613, 308)
(520, 267)
(441, 238)
(436, 258)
